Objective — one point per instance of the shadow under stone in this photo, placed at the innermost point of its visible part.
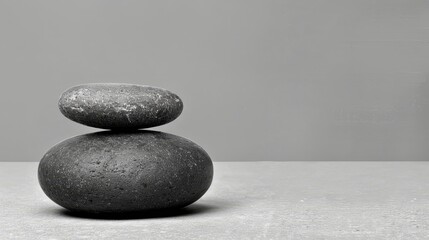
(194, 209)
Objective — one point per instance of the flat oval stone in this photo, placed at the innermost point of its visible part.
(118, 172)
(120, 106)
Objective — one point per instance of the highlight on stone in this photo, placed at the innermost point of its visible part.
(126, 170)
(120, 106)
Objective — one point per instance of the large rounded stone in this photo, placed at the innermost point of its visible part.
(120, 106)
(113, 172)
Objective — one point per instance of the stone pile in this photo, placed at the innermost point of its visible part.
(124, 170)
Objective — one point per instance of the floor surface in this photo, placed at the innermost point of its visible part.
(247, 200)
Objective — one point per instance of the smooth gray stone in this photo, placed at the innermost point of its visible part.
(120, 106)
(118, 172)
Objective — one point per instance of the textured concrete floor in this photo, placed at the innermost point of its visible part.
(248, 200)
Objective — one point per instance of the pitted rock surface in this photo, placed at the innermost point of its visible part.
(117, 172)
(120, 106)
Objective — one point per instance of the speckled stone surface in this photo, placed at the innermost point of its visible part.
(114, 172)
(120, 106)
(247, 200)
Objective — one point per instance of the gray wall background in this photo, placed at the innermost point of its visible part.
(261, 80)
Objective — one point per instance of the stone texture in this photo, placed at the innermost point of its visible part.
(120, 106)
(114, 172)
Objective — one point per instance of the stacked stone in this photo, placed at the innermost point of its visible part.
(124, 170)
